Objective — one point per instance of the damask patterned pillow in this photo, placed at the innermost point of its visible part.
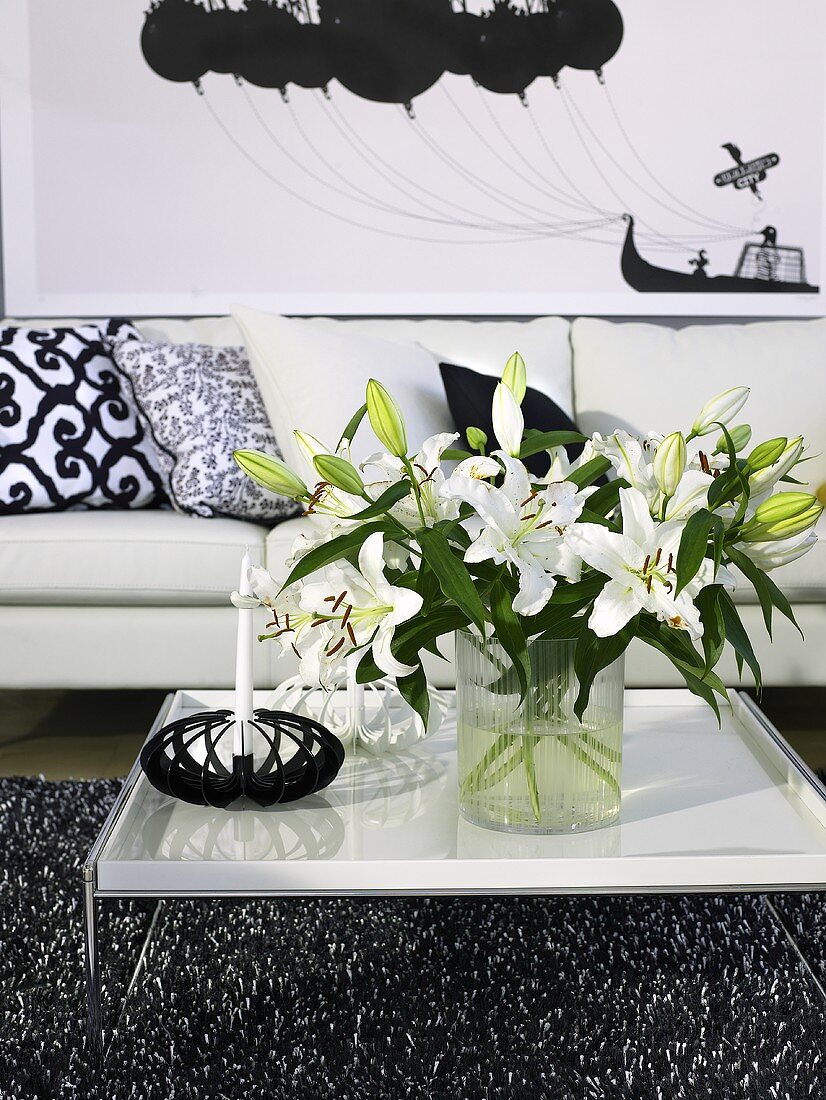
(70, 436)
(201, 403)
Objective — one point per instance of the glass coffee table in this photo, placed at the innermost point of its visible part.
(703, 809)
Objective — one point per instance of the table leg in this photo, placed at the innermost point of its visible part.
(94, 1020)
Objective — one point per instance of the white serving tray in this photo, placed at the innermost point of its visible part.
(704, 809)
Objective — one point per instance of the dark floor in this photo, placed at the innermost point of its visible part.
(97, 734)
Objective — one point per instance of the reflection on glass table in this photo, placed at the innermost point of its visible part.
(183, 832)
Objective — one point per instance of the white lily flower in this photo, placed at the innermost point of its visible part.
(640, 565)
(690, 496)
(326, 499)
(361, 607)
(562, 466)
(294, 629)
(776, 553)
(508, 421)
(705, 460)
(430, 476)
(480, 467)
(524, 527)
(632, 459)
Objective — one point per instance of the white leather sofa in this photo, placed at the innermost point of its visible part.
(140, 599)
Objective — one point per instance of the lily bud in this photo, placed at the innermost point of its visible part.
(720, 409)
(508, 422)
(515, 377)
(773, 554)
(309, 445)
(764, 479)
(766, 454)
(782, 516)
(783, 506)
(669, 463)
(386, 419)
(477, 439)
(339, 472)
(272, 473)
(740, 437)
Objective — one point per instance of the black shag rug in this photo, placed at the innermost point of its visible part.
(500, 999)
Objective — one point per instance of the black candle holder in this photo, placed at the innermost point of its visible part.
(183, 760)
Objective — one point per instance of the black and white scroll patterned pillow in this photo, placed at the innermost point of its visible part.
(70, 436)
(201, 403)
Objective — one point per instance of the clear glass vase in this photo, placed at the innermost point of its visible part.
(533, 766)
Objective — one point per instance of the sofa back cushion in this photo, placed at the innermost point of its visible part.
(646, 377)
(484, 346)
(313, 373)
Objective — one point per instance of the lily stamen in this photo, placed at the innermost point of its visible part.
(346, 616)
(331, 652)
(352, 634)
(339, 600)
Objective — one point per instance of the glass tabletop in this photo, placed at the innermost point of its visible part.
(703, 807)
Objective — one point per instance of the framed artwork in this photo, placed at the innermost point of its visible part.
(416, 157)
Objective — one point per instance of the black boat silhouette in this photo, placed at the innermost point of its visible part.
(782, 261)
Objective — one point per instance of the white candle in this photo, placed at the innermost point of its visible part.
(243, 660)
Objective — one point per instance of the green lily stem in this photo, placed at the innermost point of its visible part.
(595, 767)
(528, 745)
(523, 746)
(417, 492)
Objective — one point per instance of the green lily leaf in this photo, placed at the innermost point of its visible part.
(413, 689)
(694, 545)
(334, 550)
(594, 654)
(383, 503)
(353, 425)
(767, 591)
(454, 579)
(511, 635)
(736, 635)
(535, 442)
(590, 472)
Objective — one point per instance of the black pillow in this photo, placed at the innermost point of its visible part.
(470, 394)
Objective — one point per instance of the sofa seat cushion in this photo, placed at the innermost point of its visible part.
(148, 557)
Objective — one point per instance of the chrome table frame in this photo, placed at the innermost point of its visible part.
(93, 895)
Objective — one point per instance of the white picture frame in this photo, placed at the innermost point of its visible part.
(116, 253)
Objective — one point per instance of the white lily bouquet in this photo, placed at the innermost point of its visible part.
(410, 547)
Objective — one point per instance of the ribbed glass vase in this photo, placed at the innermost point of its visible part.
(533, 766)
